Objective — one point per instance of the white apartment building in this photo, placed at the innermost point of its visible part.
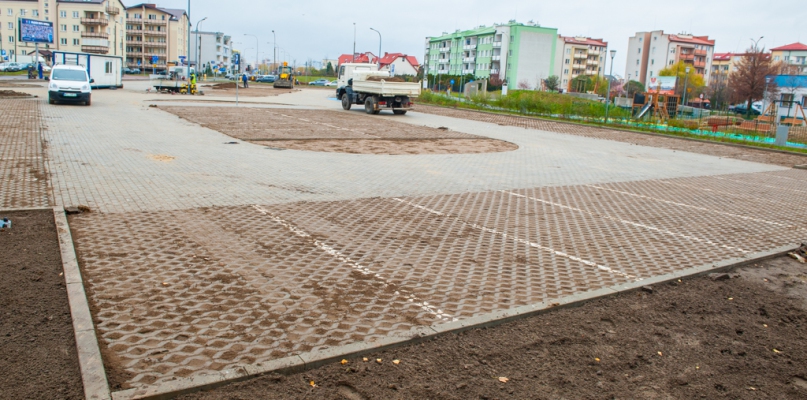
(211, 48)
(650, 52)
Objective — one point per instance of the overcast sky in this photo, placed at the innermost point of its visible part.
(314, 29)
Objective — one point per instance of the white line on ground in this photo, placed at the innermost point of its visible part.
(715, 191)
(759, 184)
(425, 306)
(522, 241)
(626, 222)
(690, 206)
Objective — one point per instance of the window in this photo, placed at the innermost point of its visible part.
(510, 52)
(651, 73)
(512, 38)
(568, 51)
(35, 13)
(640, 50)
(62, 14)
(10, 12)
(22, 12)
(75, 14)
(671, 62)
(108, 67)
(11, 26)
(637, 62)
(63, 41)
(652, 62)
(75, 28)
(76, 42)
(63, 28)
(11, 39)
(567, 61)
(565, 72)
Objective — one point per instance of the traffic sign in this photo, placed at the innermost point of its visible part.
(452, 81)
(222, 69)
(154, 59)
(2, 52)
(236, 58)
(182, 59)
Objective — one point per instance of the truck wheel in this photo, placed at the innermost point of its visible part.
(369, 105)
(399, 112)
(346, 102)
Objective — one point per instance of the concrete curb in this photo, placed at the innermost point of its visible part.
(314, 359)
(801, 166)
(745, 146)
(25, 209)
(93, 374)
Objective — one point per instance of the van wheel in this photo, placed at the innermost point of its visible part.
(88, 102)
(399, 112)
(346, 102)
(369, 105)
(51, 101)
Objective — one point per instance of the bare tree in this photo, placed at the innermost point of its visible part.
(747, 82)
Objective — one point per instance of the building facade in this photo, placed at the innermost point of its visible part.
(214, 49)
(522, 55)
(92, 26)
(794, 54)
(399, 64)
(650, 52)
(155, 34)
(579, 56)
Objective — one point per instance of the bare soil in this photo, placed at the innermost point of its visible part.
(37, 345)
(228, 89)
(713, 149)
(387, 78)
(12, 93)
(335, 131)
(739, 335)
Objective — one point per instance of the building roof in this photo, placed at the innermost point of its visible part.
(722, 56)
(365, 58)
(176, 14)
(791, 47)
(390, 57)
(584, 41)
(704, 40)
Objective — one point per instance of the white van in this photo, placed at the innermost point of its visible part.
(69, 83)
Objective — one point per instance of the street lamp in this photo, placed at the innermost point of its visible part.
(608, 93)
(257, 46)
(188, 48)
(274, 50)
(756, 42)
(378, 58)
(686, 80)
(765, 97)
(198, 53)
(354, 42)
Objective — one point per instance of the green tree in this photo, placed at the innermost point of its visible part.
(552, 83)
(329, 69)
(581, 84)
(634, 87)
(693, 81)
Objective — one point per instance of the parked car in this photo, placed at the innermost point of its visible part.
(131, 70)
(266, 78)
(332, 83)
(756, 109)
(230, 77)
(69, 83)
(319, 82)
(12, 67)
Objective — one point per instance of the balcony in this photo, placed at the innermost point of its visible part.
(497, 44)
(96, 35)
(95, 49)
(469, 59)
(134, 42)
(154, 33)
(134, 53)
(444, 49)
(686, 56)
(95, 21)
(467, 71)
(154, 22)
(443, 61)
(496, 58)
(494, 72)
(701, 53)
(699, 64)
(580, 55)
(112, 10)
(154, 44)
(136, 21)
(469, 47)
(591, 62)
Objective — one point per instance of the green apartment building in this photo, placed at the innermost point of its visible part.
(519, 54)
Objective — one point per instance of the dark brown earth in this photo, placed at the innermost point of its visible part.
(37, 346)
(255, 89)
(735, 336)
(13, 93)
(674, 143)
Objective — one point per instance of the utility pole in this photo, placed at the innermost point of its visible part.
(354, 42)
(378, 57)
(608, 93)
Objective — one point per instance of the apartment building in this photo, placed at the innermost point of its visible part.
(650, 52)
(579, 56)
(794, 54)
(214, 49)
(519, 54)
(155, 33)
(723, 64)
(92, 26)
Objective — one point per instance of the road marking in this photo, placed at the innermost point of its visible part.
(410, 297)
(522, 241)
(626, 222)
(691, 206)
(717, 191)
(759, 184)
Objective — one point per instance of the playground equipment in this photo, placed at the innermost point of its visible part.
(769, 115)
(661, 106)
(795, 121)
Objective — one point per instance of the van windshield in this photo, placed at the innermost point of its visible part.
(69, 75)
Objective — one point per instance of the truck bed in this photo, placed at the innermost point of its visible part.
(383, 88)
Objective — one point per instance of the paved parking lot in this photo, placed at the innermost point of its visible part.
(201, 256)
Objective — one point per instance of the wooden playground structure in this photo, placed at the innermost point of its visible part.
(659, 106)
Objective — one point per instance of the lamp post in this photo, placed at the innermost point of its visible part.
(378, 58)
(354, 42)
(756, 42)
(686, 80)
(608, 93)
(198, 53)
(274, 50)
(257, 47)
(187, 49)
(765, 97)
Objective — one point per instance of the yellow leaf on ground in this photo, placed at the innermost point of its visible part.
(503, 379)
(396, 362)
(365, 359)
(312, 384)
(660, 355)
(776, 351)
(378, 360)
(596, 359)
(344, 362)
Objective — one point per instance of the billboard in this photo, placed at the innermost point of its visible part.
(35, 31)
(661, 85)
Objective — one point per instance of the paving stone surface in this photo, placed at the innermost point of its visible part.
(23, 178)
(183, 292)
(201, 256)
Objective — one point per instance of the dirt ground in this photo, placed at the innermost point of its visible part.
(227, 89)
(37, 346)
(716, 149)
(335, 131)
(12, 93)
(739, 335)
